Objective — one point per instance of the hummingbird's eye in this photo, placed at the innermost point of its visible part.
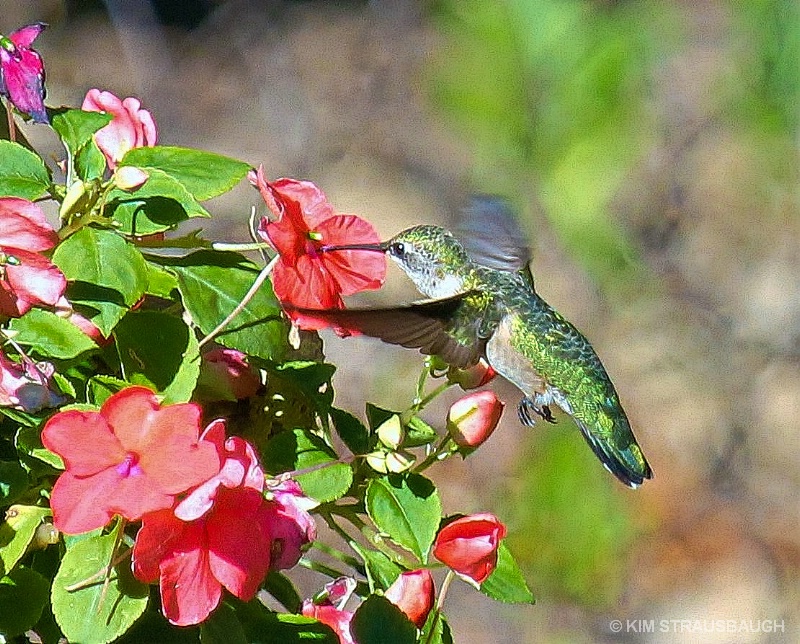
(398, 249)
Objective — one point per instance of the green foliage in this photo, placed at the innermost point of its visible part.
(91, 609)
(22, 173)
(407, 509)
(572, 549)
(139, 313)
(554, 94)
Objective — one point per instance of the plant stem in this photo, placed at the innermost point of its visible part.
(262, 276)
(337, 554)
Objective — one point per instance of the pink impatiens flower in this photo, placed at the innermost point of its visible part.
(328, 607)
(224, 534)
(131, 127)
(413, 593)
(22, 72)
(302, 221)
(226, 375)
(228, 546)
(130, 458)
(27, 278)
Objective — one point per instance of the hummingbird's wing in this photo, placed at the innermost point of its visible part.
(435, 327)
(491, 235)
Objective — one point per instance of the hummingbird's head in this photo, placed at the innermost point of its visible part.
(433, 259)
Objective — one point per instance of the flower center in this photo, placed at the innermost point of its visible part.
(312, 243)
(129, 466)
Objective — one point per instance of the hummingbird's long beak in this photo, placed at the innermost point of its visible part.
(375, 248)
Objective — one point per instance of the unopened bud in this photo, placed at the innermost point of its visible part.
(473, 418)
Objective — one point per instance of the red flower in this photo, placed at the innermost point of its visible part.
(26, 386)
(130, 458)
(302, 222)
(228, 546)
(472, 377)
(413, 593)
(469, 545)
(473, 418)
(22, 72)
(131, 127)
(224, 534)
(26, 277)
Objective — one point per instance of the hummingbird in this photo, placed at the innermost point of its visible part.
(483, 306)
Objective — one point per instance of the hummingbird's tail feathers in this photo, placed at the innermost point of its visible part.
(628, 464)
(422, 325)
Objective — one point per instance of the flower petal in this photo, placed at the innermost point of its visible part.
(238, 540)
(33, 280)
(78, 503)
(25, 226)
(83, 440)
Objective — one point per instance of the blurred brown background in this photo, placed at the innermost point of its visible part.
(652, 150)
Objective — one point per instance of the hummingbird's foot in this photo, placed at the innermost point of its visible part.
(528, 409)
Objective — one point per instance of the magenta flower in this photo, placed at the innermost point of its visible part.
(26, 386)
(130, 458)
(327, 607)
(22, 72)
(226, 375)
(27, 278)
(131, 126)
(292, 527)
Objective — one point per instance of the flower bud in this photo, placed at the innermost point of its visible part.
(414, 594)
(469, 545)
(130, 178)
(390, 432)
(473, 377)
(473, 418)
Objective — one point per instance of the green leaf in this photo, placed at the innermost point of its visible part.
(160, 282)
(436, 630)
(351, 431)
(95, 613)
(203, 174)
(101, 387)
(379, 621)
(213, 283)
(23, 595)
(13, 482)
(103, 258)
(418, 432)
(29, 441)
(90, 163)
(76, 127)
(17, 532)
(22, 173)
(222, 627)
(299, 449)
(108, 274)
(262, 626)
(158, 350)
(376, 416)
(281, 588)
(506, 583)
(50, 335)
(311, 380)
(381, 571)
(157, 205)
(407, 509)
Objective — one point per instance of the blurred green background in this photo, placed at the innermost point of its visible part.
(652, 151)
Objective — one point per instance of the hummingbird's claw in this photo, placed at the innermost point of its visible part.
(528, 409)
